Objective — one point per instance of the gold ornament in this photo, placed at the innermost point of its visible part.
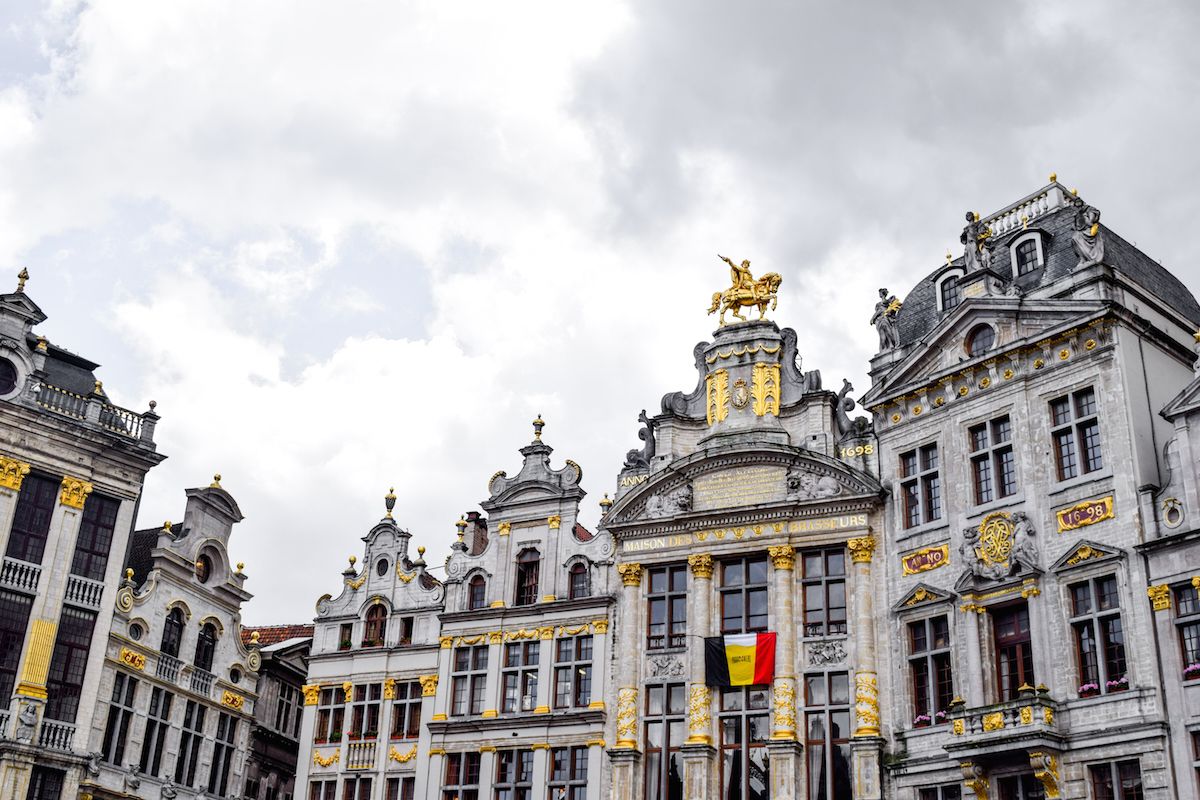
(631, 574)
(701, 564)
(861, 549)
(12, 473)
(716, 385)
(746, 291)
(699, 714)
(627, 699)
(783, 557)
(765, 379)
(74, 492)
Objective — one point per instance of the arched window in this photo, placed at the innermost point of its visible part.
(528, 561)
(980, 340)
(206, 646)
(578, 584)
(172, 633)
(373, 630)
(1026, 257)
(476, 592)
(204, 568)
(950, 292)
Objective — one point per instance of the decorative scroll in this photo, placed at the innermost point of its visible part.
(866, 704)
(699, 714)
(785, 709)
(717, 387)
(765, 389)
(1086, 513)
(925, 559)
(627, 699)
(1045, 769)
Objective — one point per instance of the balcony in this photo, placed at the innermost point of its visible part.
(168, 668)
(84, 592)
(202, 681)
(96, 410)
(361, 754)
(56, 735)
(20, 575)
(1029, 722)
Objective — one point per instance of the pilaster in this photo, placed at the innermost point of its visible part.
(867, 745)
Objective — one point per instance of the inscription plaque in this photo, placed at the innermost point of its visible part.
(745, 486)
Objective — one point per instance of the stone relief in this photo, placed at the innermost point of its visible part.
(665, 667)
(884, 321)
(668, 503)
(803, 484)
(821, 654)
(169, 791)
(26, 722)
(640, 459)
(131, 780)
(999, 546)
(92, 765)
(1087, 239)
(848, 428)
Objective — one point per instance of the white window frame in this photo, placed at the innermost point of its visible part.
(1012, 251)
(957, 272)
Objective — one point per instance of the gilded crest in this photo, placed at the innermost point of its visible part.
(741, 394)
(995, 539)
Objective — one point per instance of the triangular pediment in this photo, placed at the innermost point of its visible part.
(922, 595)
(1085, 553)
(19, 305)
(1186, 401)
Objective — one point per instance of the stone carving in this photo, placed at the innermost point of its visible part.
(1045, 769)
(640, 459)
(26, 722)
(866, 704)
(665, 504)
(848, 428)
(884, 321)
(972, 238)
(803, 484)
(825, 654)
(1087, 239)
(975, 778)
(1000, 544)
(1024, 548)
(699, 713)
(168, 790)
(665, 666)
(92, 765)
(792, 363)
(677, 402)
(986, 254)
(746, 291)
(785, 709)
(627, 699)
(131, 780)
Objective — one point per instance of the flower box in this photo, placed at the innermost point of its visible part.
(1089, 689)
(1191, 672)
(921, 720)
(1118, 685)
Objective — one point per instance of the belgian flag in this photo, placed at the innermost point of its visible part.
(745, 659)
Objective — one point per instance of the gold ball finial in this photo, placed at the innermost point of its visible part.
(353, 559)
(1053, 177)
(167, 526)
(253, 637)
(949, 258)
(129, 573)
(420, 551)
(22, 276)
(605, 504)
(216, 484)
(1074, 193)
(241, 565)
(98, 388)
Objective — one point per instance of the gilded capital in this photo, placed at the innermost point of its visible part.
(1160, 597)
(701, 564)
(312, 692)
(12, 473)
(631, 574)
(428, 684)
(861, 549)
(783, 557)
(74, 492)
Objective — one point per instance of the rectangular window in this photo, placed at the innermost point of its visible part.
(401, 788)
(218, 774)
(331, 712)
(158, 722)
(666, 720)
(31, 519)
(358, 788)
(364, 711)
(406, 710)
(1076, 434)
(932, 674)
(461, 781)
(569, 773)
(346, 636)
(1099, 639)
(95, 538)
(322, 790)
(1187, 625)
(993, 466)
(1020, 787)
(514, 775)
(949, 791)
(1120, 780)
(920, 486)
(666, 605)
(827, 733)
(468, 681)
(287, 708)
(188, 757)
(14, 619)
(1014, 652)
(69, 663)
(573, 672)
(743, 724)
(120, 714)
(824, 576)
(45, 784)
(744, 595)
(520, 676)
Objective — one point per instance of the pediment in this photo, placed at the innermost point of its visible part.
(1184, 402)
(1085, 553)
(19, 305)
(922, 595)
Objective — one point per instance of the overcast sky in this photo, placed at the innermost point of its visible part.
(352, 245)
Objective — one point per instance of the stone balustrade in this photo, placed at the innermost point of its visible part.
(17, 574)
(1030, 719)
(84, 591)
(1019, 215)
(168, 668)
(56, 735)
(202, 681)
(361, 754)
(96, 410)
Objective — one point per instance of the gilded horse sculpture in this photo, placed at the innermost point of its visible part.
(746, 291)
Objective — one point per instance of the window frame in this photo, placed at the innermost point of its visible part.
(827, 583)
(519, 672)
(920, 495)
(406, 711)
(670, 599)
(465, 767)
(93, 544)
(15, 610)
(573, 671)
(121, 710)
(832, 704)
(476, 601)
(158, 724)
(528, 569)
(665, 710)
(68, 664)
(1115, 772)
(1111, 673)
(929, 667)
(579, 581)
(743, 730)
(1024, 657)
(30, 528)
(1039, 259)
(953, 275)
(468, 681)
(331, 715)
(366, 709)
(514, 774)
(224, 746)
(969, 342)
(748, 589)
(191, 737)
(990, 448)
(1187, 627)
(375, 625)
(1075, 431)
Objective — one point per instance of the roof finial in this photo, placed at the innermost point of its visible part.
(1053, 177)
(462, 527)
(605, 504)
(389, 501)
(167, 526)
(22, 276)
(216, 484)
(538, 424)
(949, 258)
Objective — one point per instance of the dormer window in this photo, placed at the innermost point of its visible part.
(579, 584)
(981, 339)
(949, 292)
(527, 577)
(476, 593)
(373, 630)
(1027, 254)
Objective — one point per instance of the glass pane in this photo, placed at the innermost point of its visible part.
(839, 688)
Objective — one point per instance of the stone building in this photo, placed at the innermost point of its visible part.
(176, 698)
(275, 734)
(1016, 401)
(72, 466)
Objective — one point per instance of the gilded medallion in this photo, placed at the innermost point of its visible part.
(741, 394)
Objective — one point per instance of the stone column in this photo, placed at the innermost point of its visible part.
(783, 747)
(624, 754)
(866, 744)
(699, 764)
(971, 623)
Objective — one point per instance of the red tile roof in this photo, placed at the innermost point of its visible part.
(273, 634)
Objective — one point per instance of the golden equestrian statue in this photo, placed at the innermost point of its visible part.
(746, 291)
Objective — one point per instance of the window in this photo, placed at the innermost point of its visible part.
(206, 646)
(827, 732)
(920, 486)
(981, 339)
(569, 773)
(666, 718)
(381, 567)
(1026, 255)
(527, 577)
(188, 757)
(31, 520)
(1121, 780)
(573, 672)
(158, 722)
(950, 292)
(949, 791)
(67, 667)
(1076, 434)
(204, 568)
(744, 723)
(520, 676)
(401, 788)
(364, 711)
(462, 777)
(993, 467)
(287, 708)
(331, 710)
(406, 630)
(358, 788)
(95, 537)
(932, 674)
(406, 710)
(45, 784)
(666, 598)
(1196, 755)
(8, 376)
(1014, 653)
(1020, 787)
(578, 582)
(120, 713)
(744, 595)
(172, 633)
(218, 774)
(1187, 623)
(468, 681)
(514, 775)
(374, 628)
(1099, 639)
(345, 636)
(824, 577)
(476, 593)
(14, 619)
(322, 790)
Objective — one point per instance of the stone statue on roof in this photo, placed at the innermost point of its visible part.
(1087, 239)
(972, 238)
(884, 321)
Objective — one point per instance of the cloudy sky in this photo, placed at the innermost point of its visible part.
(352, 245)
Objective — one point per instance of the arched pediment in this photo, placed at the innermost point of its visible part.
(525, 492)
